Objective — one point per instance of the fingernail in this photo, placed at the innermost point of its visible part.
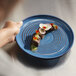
(21, 22)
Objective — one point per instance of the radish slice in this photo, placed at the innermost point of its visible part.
(45, 25)
(42, 31)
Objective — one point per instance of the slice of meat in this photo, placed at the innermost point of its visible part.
(40, 33)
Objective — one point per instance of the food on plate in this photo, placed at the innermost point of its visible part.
(40, 33)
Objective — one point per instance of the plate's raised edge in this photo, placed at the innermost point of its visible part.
(58, 19)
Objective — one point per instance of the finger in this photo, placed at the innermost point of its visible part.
(12, 39)
(19, 24)
(8, 23)
(17, 32)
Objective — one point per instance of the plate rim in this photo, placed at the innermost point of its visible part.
(46, 57)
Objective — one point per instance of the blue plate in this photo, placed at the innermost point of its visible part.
(54, 44)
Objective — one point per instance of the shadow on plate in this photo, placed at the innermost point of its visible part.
(27, 41)
(36, 63)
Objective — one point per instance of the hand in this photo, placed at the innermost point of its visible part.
(9, 31)
(13, 29)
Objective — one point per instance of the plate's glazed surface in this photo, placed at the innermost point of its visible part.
(54, 44)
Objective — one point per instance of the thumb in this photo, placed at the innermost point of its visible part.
(19, 24)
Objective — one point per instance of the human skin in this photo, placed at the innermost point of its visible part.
(9, 31)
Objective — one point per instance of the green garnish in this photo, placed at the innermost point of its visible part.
(37, 36)
(54, 26)
(33, 47)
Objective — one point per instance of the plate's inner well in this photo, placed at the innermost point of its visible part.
(52, 43)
